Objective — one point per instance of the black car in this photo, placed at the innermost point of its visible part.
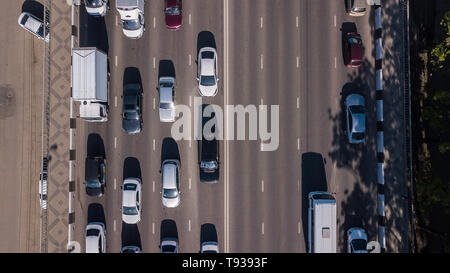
(209, 160)
(132, 111)
(95, 176)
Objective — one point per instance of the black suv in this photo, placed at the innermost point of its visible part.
(95, 176)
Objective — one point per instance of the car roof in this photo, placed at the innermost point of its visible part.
(91, 172)
(129, 196)
(32, 22)
(92, 244)
(356, 52)
(169, 177)
(207, 67)
(165, 94)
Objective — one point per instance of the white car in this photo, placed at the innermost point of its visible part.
(355, 118)
(209, 247)
(356, 240)
(96, 7)
(34, 25)
(131, 200)
(166, 99)
(170, 183)
(95, 238)
(43, 189)
(169, 245)
(207, 75)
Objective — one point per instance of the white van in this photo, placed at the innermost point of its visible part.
(321, 222)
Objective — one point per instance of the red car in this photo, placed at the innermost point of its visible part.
(173, 14)
(353, 52)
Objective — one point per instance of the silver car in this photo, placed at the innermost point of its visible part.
(34, 25)
(95, 238)
(131, 200)
(170, 183)
(207, 75)
(356, 118)
(166, 99)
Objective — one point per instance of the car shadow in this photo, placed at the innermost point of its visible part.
(132, 75)
(34, 7)
(96, 213)
(168, 229)
(208, 233)
(93, 31)
(95, 146)
(130, 235)
(131, 168)
(205, 39)
(169, 150)
(313, 179)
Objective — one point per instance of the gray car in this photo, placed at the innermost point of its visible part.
(166, 99)
(132, 111)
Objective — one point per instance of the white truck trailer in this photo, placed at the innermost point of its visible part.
(132, 17)
(90, 83)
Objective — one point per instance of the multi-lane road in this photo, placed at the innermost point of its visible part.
(286, 53)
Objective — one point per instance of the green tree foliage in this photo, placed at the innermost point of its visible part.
(440, 52)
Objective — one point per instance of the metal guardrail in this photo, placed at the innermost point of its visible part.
(45, 126)
(408, 127)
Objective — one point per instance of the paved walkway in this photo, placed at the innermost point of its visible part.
(58, 187)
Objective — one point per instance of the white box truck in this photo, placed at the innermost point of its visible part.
(132, 17)
(90, 83)
(321, 222)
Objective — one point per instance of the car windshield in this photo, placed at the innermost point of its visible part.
(129, 187)
(93, 184)
(357, 109)
(353, 40)
(166, 105)
(165, 84)
(168, 249)
(208, 55)
(173, 11)
(40, 31)
(130, 115)
(129, 210)
(359, 244)
(92, 232)
(207, 81)
(131, 24)
(209, 165)
(209, 251)
(93, 3)
(170, 193)
(358, 136)
(24, 19)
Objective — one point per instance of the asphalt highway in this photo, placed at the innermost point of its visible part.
(271, 52)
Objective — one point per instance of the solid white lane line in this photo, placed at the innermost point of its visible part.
(262, 228)
(153, 144)
(154, 22)
(154, 103)
(189, 18)
(296, 21)
(226, 147)
(298, 102)
(153, 186)
(154, 62)
(114, 225)
(189, 225)
(299, 227)
(262, 20)
(298, 143)
(190, 57)
(153, 228)
(262, 185)
(115, 101)
(335, 20)
(115, 60)
(298, 61)
(115, 182)
(190, 183)
(115, 142)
